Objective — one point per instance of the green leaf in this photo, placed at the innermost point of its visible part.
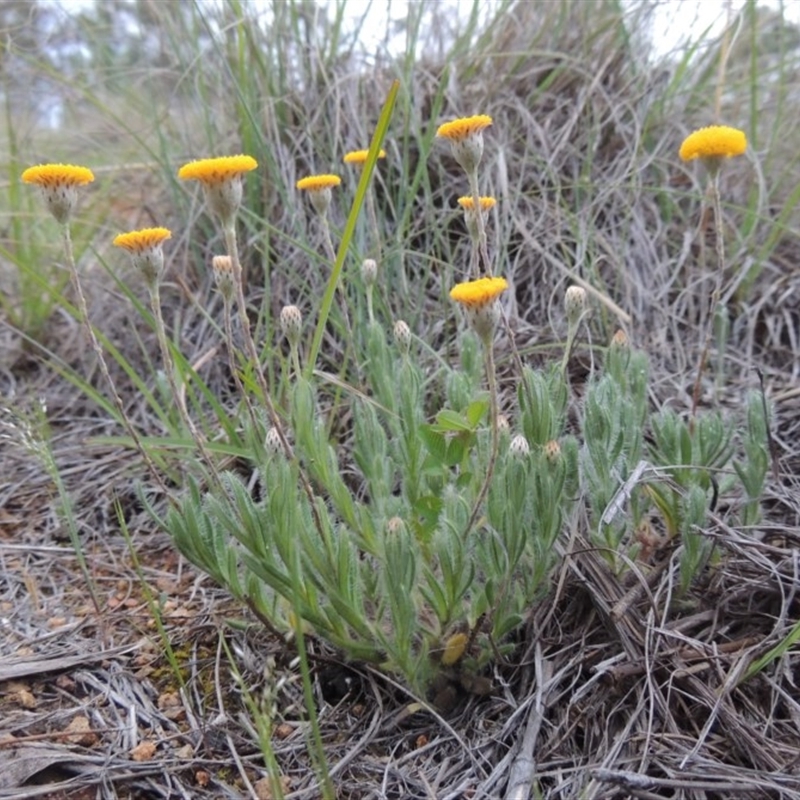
(435, 443)
(428, 509)
(476, 411)
(456, 448)
(452, 421)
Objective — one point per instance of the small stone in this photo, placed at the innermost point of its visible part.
(143, 751)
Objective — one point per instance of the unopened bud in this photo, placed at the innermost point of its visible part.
(574, 303)
(502, 423)
(369, 271)
(273, 442)
(291, 324)
(519, 447)
(620, 340)
(222, 267)
(552, 451)
(394, 526)
(402, 335)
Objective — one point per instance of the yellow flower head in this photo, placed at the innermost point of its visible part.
(319, 190)
(222, 182)
(59, 184)
(145, 248)
(476, 294)
(478, 298)
(211, 171)
(468, 203)
(51, 176)
(466, 140)
(144, 239)
(464, 127)
(715, 141)
(360, 156)
(318, 183)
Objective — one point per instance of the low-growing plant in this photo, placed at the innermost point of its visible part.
(398, 514)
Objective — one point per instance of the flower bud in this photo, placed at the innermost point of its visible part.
(291, 324)
(575, 303)
(552, 452)
(519, 447)
(394, 526)
(620, 340)
(273, 442)
(402, 335)
(369, 271)
(222, 267)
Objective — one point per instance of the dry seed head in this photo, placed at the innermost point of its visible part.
(503, 423)
(402, 335)
(519, 447)
(369, 271)
(552, 451)
(291, 324)
(222, 267)
(574, 303)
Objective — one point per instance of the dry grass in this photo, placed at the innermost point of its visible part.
(616, 689)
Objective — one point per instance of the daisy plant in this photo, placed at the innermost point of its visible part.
(712, 145)
(319, 189)
(221, 179)
(357, 159)
(145, 247)
(420, 539)
(466, 141)
(60, 186)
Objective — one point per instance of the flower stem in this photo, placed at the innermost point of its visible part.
(476, 204)
(715, 295)
(232, 247)
(491, 379)
(98, 350)
(169, 368)
(250, 345)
